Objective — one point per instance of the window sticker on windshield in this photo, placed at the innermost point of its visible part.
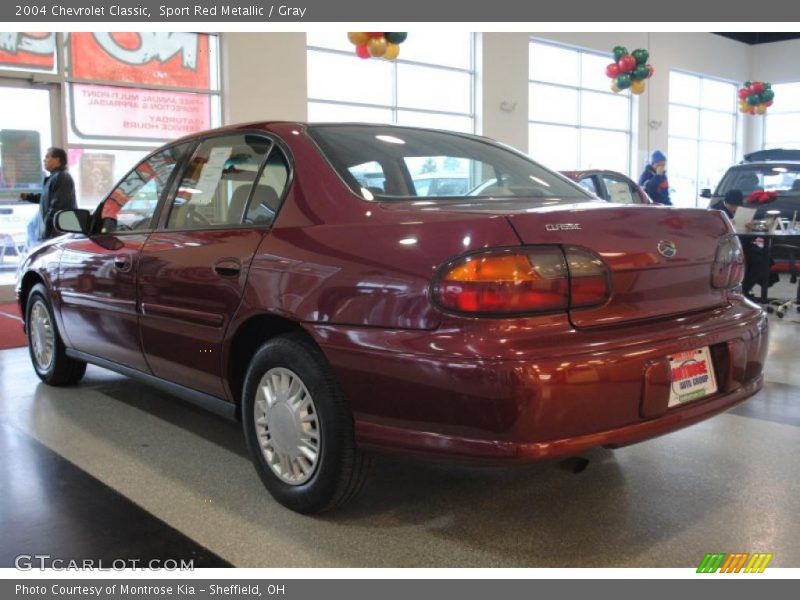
(211, 175)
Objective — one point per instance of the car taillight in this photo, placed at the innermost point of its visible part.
(727, 271)
(523, 281)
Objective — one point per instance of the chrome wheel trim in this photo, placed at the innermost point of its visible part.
(42, 335)
(287, 426)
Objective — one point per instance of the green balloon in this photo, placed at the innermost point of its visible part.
(767, 95)
(641, 72)
(767, 86)
(747, 84)
(396, 37)
(619, 52)
(641, 55)
(623, 81)
(753, 100)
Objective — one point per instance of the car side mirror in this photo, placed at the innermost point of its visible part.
(73, 221)
(705, 193)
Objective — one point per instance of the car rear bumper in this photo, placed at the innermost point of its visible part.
(508, 393)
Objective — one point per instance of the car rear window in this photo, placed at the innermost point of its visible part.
(771, 178)
(398, 163)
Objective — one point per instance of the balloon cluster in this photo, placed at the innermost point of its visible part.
(629, 70)
(755, 97)
(377, 44)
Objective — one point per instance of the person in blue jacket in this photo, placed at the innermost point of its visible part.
(654, 179)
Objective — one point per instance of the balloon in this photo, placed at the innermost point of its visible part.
(761, 109)
(626, 63)
(357, 37)
(768, 103)
(743, 93)
(614, 88)
(641, 72)
(747, 84)
(641, 55)
(767, 86)
(757, 87)
(744, 108)
(637, 87)
(375, 34)
(396, 37)
(623, 81)
(362, 51)
(619, 52)
(752, 110)
(377, 46)
(612, 70)
(753, 99)
(392, 51)
(767, 95)
(652, 70)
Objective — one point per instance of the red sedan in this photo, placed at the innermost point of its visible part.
(294, 277)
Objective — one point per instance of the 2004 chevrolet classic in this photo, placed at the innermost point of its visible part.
(292, 276)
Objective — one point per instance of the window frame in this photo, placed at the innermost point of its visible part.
(629, 132)
(394, 107)
(737, 124)
(276, 142)
(795, 111)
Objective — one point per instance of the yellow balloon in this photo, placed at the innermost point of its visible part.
(744, 108)
(637, 87)
(357, 37)
(377, 46)
(392, 51)
(614, 88)
(761, 109)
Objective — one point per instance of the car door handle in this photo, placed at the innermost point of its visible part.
(123, 263)
(228, 267)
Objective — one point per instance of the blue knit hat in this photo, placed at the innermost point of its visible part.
(658, 156)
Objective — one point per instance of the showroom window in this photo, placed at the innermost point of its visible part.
(575, 120)
(782, 123)
(702, 135)
(128, 93)
(431, 84)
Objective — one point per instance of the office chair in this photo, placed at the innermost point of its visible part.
(787, 261)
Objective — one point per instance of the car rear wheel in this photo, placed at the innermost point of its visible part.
(48, 354)
(298, 428)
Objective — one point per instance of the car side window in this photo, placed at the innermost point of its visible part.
(587, 183)
(132, 204)
(267, 194)
(218, 182)
(620, 191)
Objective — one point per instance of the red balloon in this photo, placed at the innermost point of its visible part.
(626, 63)
(768, 103)
(375, 33)
(757, 87)
(652, 70)
(743, 93)
(612, 70)
(362, 51)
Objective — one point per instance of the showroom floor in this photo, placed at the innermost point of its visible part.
(113, 469)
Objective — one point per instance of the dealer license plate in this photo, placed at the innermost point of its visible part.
(692, 375)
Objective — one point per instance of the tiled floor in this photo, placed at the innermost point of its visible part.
(727, 484)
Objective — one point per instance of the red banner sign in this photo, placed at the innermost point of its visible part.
(28, 50)
(163, 58)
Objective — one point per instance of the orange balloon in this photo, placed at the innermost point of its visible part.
(761, 109)
(377, 46)
(357, 37)
(392, 51)
(637, 87)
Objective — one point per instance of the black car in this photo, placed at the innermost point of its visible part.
(775, 170)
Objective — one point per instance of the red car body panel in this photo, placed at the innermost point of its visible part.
(416, 377)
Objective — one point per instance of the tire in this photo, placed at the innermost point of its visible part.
(45, 346)
(309, 461)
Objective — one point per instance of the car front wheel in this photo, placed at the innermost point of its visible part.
(48, 354)
(298, 427)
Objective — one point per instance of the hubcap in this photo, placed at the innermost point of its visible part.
(286, 426)
(42, 336)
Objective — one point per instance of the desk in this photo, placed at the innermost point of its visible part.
(778, 237)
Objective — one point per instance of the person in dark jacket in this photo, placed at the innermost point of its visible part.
(654, 179)
(58, 192)
(756, 264)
